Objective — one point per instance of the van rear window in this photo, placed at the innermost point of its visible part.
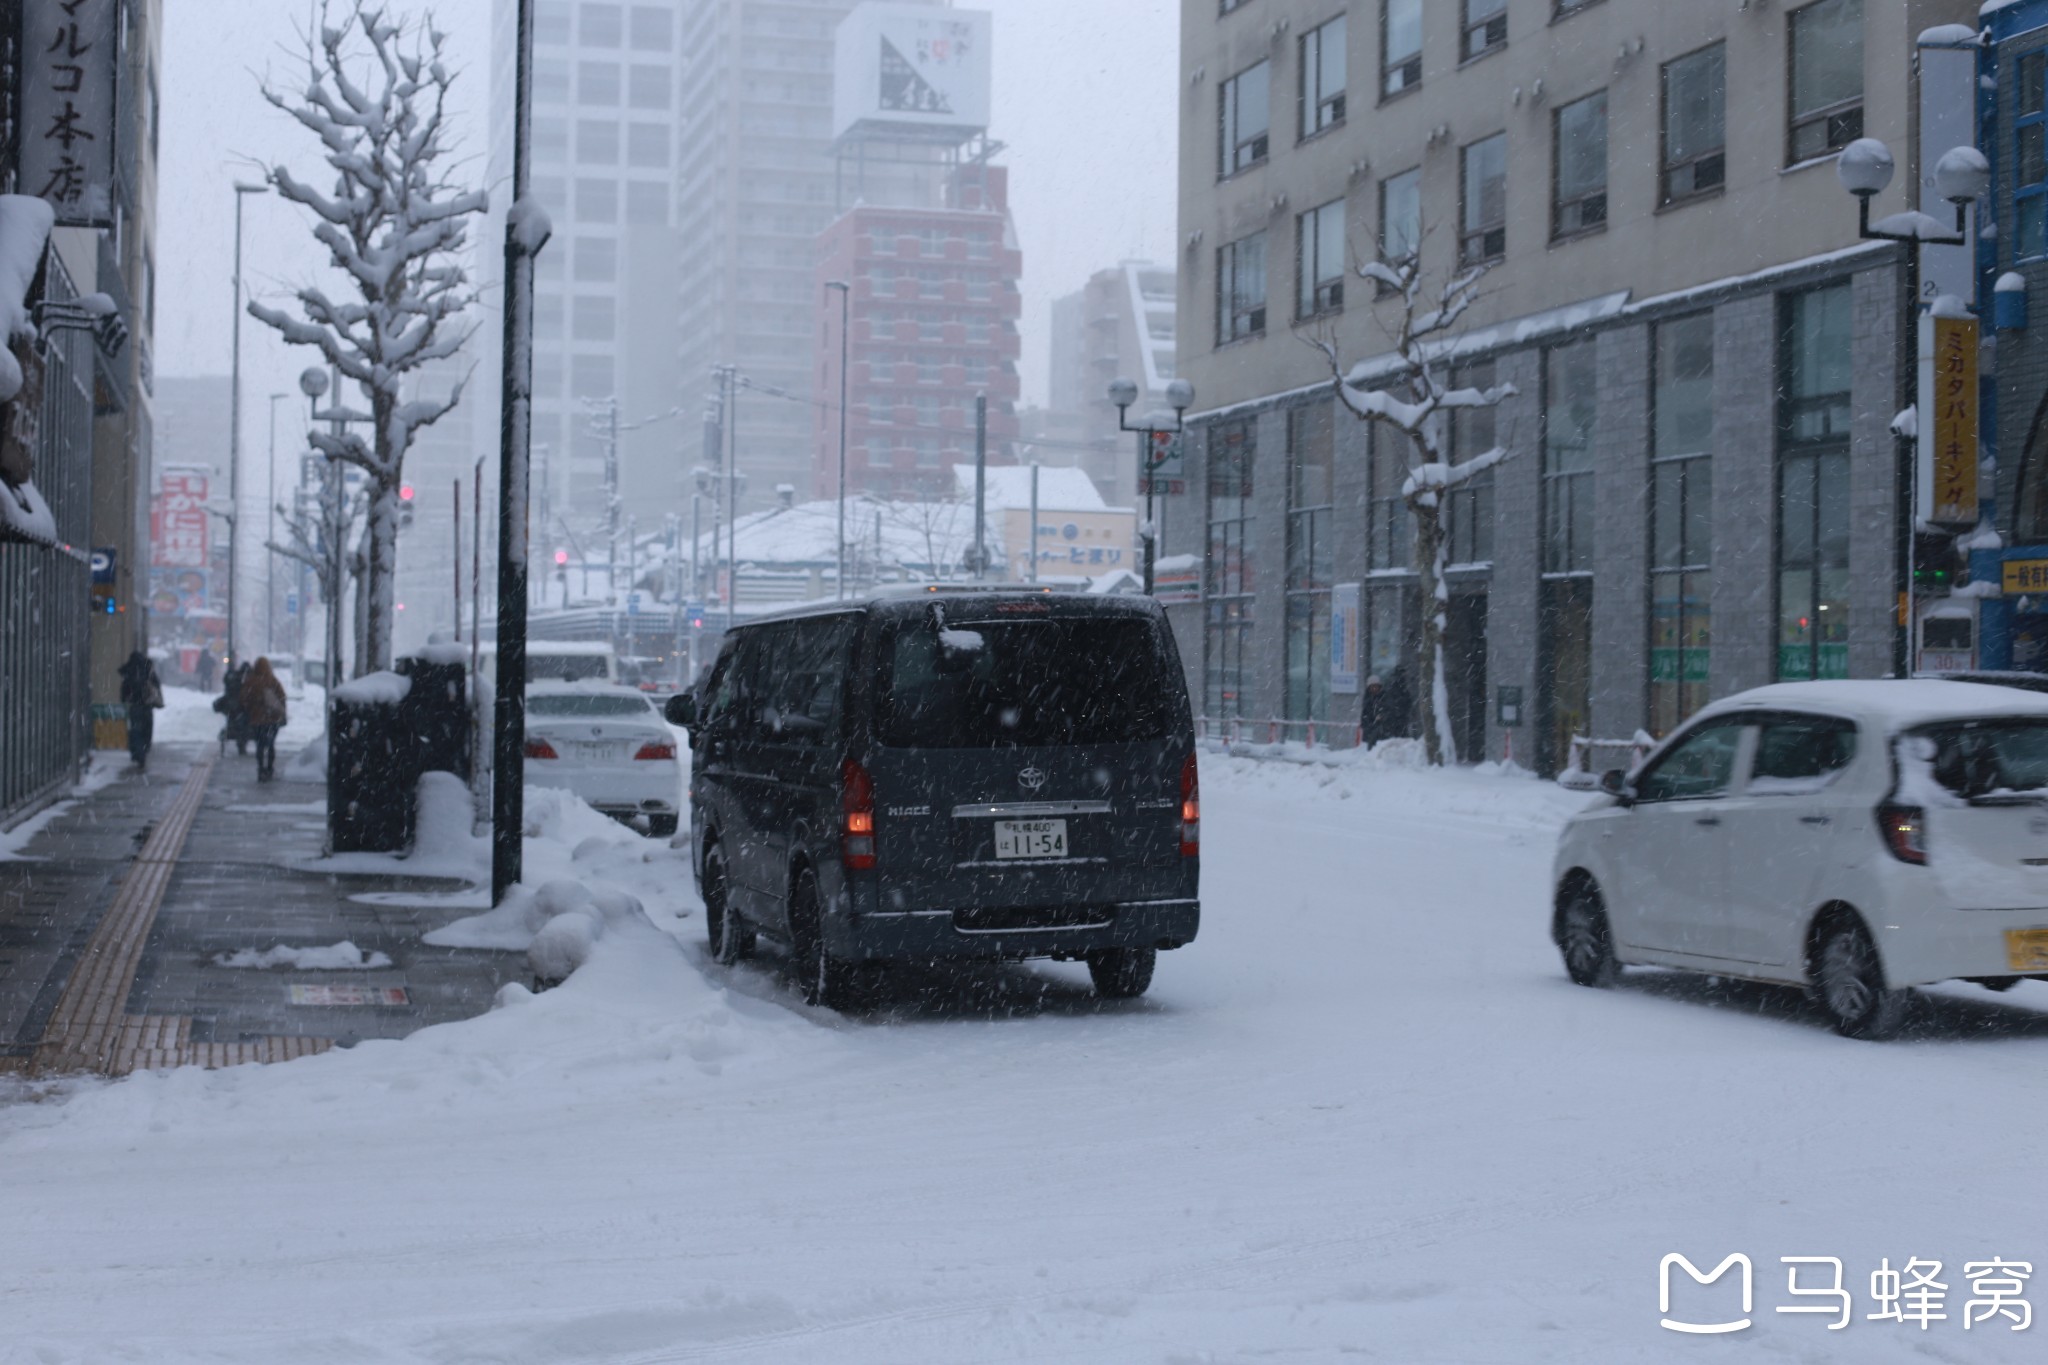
(1023, 683)
(1977, 759)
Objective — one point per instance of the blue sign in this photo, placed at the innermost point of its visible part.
(103, 558)
(291, 604)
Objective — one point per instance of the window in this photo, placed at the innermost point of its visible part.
(1797, 755)
(1241, 289)
(1486, 27)
(648, 87)
(591, 376)
(1827, 78)
(653, 29)
(1473, 432)
(646, 202)
(1578, 190)
(550, 79)
(594, 318)
(551, 139)
(597, 142)
(1570, 394)
(1813, 484)
(1400, 46)
(601, 25)
(1695, 121)
(551, 22)
(1319, 260)
(1229, 580)
(2030, 162)
(1311, 558)
(597, 83)
(597, 201)
(1401, 216)
(1681, 519)
(1322, 77)
(1245, 107)
(804, 688)
(1699, 767)
(646, 145)
(1483, 207)
(597, 259)
(1390, 543)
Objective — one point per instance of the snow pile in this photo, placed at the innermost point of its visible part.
(443, 842)
(105, 767)
(21, 505)
(309, 764)
(25, 223)
(339, 957)
(383, 688)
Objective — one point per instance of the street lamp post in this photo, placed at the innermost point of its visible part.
(845, 311)
(235, 409)
(270, 536)
(1181, 395)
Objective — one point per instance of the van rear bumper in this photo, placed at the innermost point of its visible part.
(986, 935)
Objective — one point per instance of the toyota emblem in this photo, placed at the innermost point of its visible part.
(1031, 779)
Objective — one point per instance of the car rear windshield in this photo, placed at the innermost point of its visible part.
(1019, 684)
(1981, 758)
(570, 704)
(566, 667)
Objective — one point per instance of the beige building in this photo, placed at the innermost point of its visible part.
(1701, 488)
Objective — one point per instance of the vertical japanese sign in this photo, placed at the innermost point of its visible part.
(69, 62)
(1346, 614)
(1948, 420)
(178, 525)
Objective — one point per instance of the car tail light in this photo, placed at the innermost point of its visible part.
(1190, 809)
(857, 800)
(540, 748)
(656, 748)
(1905, 832)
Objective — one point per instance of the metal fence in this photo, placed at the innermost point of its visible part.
(46, 593)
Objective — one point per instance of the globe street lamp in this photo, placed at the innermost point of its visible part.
(1152, 455)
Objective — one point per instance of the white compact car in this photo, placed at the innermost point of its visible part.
(1856, 838)
(606, 744)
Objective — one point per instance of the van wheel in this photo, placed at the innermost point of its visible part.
(827, 981)
(727, 933)
(1586, 939)
(1848, 982)
(1122, 973)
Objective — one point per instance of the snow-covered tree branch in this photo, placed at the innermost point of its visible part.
(375, 95)
(1407, 395)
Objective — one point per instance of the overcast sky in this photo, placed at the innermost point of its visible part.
(1085, 98)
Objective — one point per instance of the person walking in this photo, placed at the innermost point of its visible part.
(263, 705)
(1375, 721)
(204, 667)
(142, 693)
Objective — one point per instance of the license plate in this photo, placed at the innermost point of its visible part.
(2026, 950)
(1031, 838)
(596, 748)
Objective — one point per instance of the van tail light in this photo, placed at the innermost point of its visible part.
(656, 748)
(540, 748)
(857, 801)
(1905, 832)
(1190, 809)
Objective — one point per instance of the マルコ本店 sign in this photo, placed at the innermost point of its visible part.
(69, 68)
(1948, 420)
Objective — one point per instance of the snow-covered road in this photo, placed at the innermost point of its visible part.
(1363, 1117)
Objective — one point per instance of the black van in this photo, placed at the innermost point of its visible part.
(998, 773)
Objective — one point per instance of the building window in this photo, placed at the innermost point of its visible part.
(1389, 540)
(1681, 519)
(1311, 558)
(1813, 483)
(597, 142)
(550, 139)
(1578, 191)
(1400, 46)
(1229, 580)
(551, 80)
(601, 25)
(2030, 163)
(648, 87)
(597, 83)
(647, 203)
(1570, 393)
(1245, 107)
(593, 319)
(1319, 260)
(1695, 124)
(590, 376)
(597, 201)
(646, 145)
(1322, 77)
(653, 29)
(551, 22)
(1473, 432)
(1486, 27)
(1401, 216)
(1241, 289)
(597, 259)
(1827, 78)
(1483, 200)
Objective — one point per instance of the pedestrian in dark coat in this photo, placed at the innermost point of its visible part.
(206, 666)
(263, 704)
(1375, 718)
(142, 693)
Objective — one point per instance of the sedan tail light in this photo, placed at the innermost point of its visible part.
(1190, 809)
(857, 801)
(1905, 832)
(540, 748)
(656, 748)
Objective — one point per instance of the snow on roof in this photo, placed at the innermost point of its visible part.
(1060, 488)
(1897, 703)
(914, 534)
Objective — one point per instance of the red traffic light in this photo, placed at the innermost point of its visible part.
(405, 492)
(561, 557)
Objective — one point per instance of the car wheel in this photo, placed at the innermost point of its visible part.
(827, 981)
(1122, 973)
(1848, 982)
(1586, 939)
(727, 933)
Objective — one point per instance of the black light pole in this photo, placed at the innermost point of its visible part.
(845, 312)
(526, 232)
(1123, 393)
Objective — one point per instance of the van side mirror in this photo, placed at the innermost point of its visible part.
(681, 709)
(1615, 783)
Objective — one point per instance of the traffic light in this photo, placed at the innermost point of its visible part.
(1937, 565)
(561, 559)
(405, 507)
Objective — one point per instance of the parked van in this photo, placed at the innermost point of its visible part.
(953, 773)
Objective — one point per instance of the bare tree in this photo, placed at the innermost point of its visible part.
(1408, 394)
(935, 524)
(395, 223)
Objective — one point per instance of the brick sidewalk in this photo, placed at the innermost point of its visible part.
(108, 940)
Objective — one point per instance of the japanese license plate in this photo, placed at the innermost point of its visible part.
(2026, 950)
(1031, 838)
(596, 748)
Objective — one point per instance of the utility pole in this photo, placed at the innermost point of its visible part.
(728, 382)
(611, 493)
(980, 549)
(845, 306)
(457, 565)
(269, 537)
(1032, 542)
(476, 566)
